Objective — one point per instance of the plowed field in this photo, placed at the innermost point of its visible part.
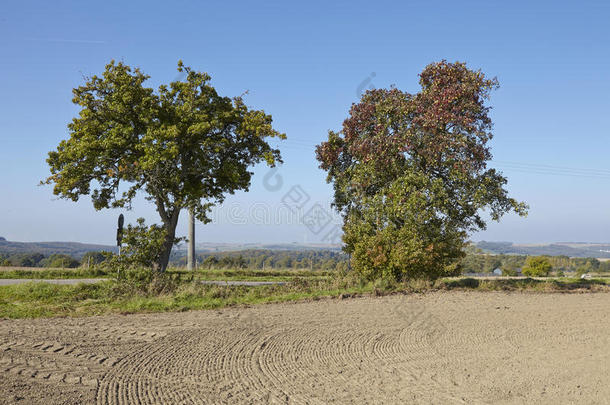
(445, 347)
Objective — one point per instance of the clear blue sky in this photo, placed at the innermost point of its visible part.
(304, 63)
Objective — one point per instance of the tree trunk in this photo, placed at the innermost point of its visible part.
(170, 228)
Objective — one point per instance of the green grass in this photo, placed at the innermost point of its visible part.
(222, 274)
(51, 273)
(253, 275)
(173, 293)
(39, 299)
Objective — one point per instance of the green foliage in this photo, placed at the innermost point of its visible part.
(74, 249)
(145, 281)
(184, 145)
(94, 258)
(271, 259)
(147, 291)
(604, 266)
(143, 246)
(537, 266)
(55, 273)
(582, 270)
(509, 263)
(528, 284)
(60, 261)
(410, 177)
(25, 259)
(210, 262)
(400, 251)
(510, 270)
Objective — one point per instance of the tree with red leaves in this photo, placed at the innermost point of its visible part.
(410, 174)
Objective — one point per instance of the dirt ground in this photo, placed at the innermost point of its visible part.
(446, 347)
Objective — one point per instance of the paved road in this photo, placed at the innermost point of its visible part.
(73, 281)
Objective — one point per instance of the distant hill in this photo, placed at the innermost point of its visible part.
(571, 249)
(74, 249)
(77, 250)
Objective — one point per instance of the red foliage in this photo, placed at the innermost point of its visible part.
(447, 122)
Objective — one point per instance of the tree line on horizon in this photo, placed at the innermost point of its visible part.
(326, 260)
(55, 260)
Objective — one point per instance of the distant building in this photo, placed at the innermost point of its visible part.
(497, 272)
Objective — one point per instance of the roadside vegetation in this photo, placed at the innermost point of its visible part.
(57, 273)
(186, 275)
(146, 291)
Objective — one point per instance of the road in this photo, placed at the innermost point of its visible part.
(65, 281)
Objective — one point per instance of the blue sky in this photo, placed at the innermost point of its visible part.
(305, 63)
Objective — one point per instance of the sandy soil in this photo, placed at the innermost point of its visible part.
(450, 347)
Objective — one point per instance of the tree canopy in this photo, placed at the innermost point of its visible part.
(537, 266)
(184, 146)
(410, 174)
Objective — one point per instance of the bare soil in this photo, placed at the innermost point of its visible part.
(443, 347)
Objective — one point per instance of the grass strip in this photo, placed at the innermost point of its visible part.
(39, 299)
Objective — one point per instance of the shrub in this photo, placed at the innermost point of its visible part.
(145, 282)
(26, 259)
(143, 247)
(537, 266)
(60, 261)
(506, 271)
(93, 258)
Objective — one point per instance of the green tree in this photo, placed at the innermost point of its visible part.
(93, 258)
(210, 262)
(58, 260)
(580, 270)
(537, 266)
(26, 259)
(184, 146)
(410, 174)
(510, 269)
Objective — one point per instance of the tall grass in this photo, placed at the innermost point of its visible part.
(144, 291)
(57, 273)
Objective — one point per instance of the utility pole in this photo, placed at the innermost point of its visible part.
(119, 232)
(119, 239)
(191, 247)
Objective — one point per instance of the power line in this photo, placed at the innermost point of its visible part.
(520, 167)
